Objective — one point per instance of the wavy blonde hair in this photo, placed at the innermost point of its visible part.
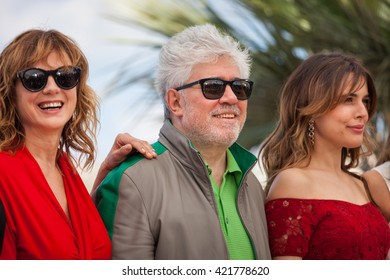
(24, 51)
(313, 89)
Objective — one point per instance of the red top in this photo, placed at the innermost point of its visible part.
(36, 225)
(326, 229)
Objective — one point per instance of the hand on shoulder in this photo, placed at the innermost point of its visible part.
(124, 145)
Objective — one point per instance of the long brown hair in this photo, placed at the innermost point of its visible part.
(313, 89)
(24, 51)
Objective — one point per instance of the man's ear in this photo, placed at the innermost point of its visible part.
(174, 101)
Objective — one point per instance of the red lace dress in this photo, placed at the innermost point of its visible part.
(326, 229)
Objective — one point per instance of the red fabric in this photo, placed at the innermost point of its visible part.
(326, 229)
(37, 227)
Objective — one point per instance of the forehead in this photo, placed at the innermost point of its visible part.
(353, 83)
(53, 59)
(41, 54)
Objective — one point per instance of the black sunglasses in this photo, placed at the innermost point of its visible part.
(214, 88)
(35, 79)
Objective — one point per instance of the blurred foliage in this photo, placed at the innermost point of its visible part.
(279, 34)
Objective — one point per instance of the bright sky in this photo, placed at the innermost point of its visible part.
(83, 20)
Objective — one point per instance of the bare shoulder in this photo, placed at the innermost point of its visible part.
(292, 182)
(379, 191)
(375, 179)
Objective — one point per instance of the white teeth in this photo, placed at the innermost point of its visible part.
(50, 105)
(230, 116)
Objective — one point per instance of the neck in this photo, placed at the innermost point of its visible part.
(330, 161)
(43, 149)
(216, 160)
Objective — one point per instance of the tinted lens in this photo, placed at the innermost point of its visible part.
(213, 89)
(33, 79)
(242, 89)
(67, 77)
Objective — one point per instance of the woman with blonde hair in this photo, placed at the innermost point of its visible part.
(316, 207)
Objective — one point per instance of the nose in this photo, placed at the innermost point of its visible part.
(228, 96)
(51, 86)
(362, 110)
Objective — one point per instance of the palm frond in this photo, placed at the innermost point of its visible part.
(279, 34)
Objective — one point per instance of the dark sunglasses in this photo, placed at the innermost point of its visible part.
(214, 88)
(35, 79)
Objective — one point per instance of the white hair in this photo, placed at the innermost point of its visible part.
(192, 46)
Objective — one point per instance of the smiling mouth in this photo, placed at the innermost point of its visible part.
(51, 105)
(226, 116)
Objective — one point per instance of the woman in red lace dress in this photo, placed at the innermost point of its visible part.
(316, 207)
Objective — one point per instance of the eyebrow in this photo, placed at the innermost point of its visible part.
(354, 94)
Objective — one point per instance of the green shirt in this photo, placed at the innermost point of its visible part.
(237, 239)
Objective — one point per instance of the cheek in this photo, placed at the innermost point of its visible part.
(22, 104)
(243, 108)
(196, 106)
(74, 103)
(329, 127)
(72, 99)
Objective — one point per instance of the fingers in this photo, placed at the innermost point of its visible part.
(144, 148)
(123, 139)
(127, 143)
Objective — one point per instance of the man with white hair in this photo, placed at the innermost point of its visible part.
(199, 199)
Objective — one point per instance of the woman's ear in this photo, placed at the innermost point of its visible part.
(174, 101)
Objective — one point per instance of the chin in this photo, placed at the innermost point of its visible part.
(355, 145)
